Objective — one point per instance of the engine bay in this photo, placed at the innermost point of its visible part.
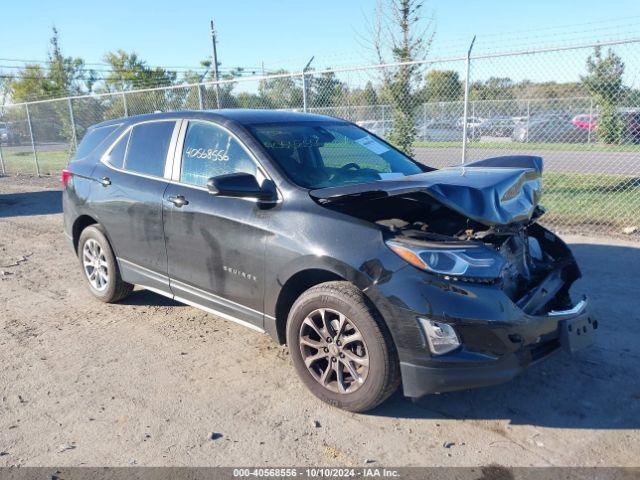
(531, 252)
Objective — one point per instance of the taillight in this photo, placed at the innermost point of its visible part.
(66, 175)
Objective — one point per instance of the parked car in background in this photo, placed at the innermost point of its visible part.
(585, 120)
(631, 132)
(8, 135)
(549, 128)
(471, 122)
(381, 128)
(440, 131)
(495, 127)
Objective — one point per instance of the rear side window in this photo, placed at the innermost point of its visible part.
(148, 145)
(115, 157)
(93, 138)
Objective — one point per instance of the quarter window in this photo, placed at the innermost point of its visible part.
(209, 151)
(116, 156)
(148, 145)
(93, 138)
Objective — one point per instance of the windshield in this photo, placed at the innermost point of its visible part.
(329, 154)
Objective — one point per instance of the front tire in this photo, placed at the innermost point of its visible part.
(99, 266)
(341, 348)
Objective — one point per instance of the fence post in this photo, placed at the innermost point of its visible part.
(304, 84)
(473, 115)
(466, 102)
(200, 99)
(33, 142)
(124, 104)
(73, 123)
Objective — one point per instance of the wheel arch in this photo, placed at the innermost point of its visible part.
(80, 223)
(295, 285)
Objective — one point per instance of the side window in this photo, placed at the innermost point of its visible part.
(93, 138)
(148, 145)
(209, 151)
(116, 156)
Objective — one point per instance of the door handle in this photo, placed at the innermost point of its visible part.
(179, 201)
(105, 181)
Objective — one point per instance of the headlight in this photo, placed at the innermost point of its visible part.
(465, 261)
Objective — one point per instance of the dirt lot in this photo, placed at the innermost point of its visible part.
(153, 382)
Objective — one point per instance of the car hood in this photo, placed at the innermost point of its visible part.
(493, 191)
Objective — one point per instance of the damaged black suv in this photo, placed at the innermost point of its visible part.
(374, 269)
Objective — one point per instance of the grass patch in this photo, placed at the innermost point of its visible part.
(508, 145)
(579, 198)
(23, 162)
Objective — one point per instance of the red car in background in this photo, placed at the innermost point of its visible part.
(586, 121)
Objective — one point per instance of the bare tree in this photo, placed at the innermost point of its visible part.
(401, 32)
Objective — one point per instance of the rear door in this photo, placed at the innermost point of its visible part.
(215, 245)
(129, 202)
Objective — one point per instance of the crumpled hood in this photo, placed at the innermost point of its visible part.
(493, 191)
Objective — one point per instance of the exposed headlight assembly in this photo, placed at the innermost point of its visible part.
(465, 261)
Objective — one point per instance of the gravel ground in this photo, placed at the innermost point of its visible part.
(154, 382)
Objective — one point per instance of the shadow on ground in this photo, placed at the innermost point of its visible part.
(149, 298)
(43, 202)
(595, 388)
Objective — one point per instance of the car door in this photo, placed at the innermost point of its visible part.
(128, 203)
(215, 245)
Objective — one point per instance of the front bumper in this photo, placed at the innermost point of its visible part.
(570, 330)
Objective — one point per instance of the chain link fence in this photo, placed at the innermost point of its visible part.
(578, 107)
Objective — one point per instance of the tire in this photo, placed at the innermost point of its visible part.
(114, 288)
(322, 305)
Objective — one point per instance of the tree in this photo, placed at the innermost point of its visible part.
(442, 86)
(401, 31)
(604, 83)
(326, 90)
(5, 88)
(64, 76)
(129, 72)
(364, 96)
(281, 92)
(494, 88)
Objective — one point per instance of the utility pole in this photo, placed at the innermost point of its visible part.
(216, 75)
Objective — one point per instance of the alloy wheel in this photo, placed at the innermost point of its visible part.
(95, 265)
(334, 351)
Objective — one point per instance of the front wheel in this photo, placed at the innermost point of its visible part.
(341, 348)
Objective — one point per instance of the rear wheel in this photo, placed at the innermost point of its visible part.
(340, 347)
(99, 266)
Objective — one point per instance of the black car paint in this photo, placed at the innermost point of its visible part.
(271, 251)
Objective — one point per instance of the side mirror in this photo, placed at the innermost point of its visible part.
(240, 185)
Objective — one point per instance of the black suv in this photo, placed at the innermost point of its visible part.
(372, 268)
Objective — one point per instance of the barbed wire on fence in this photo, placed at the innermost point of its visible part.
(577, 105)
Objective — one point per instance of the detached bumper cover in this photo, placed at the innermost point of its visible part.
(570, 330)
